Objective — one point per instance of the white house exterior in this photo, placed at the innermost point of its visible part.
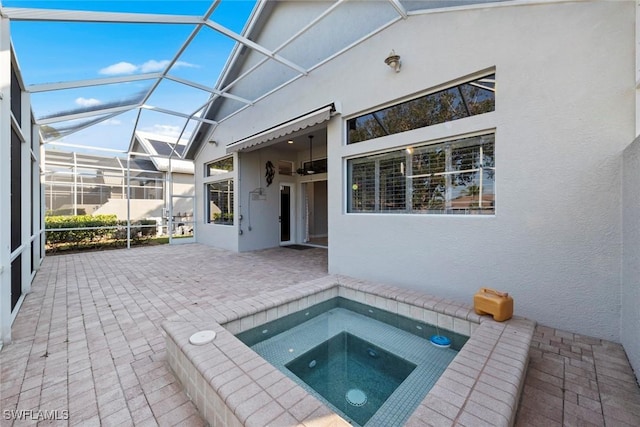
(559, 226)
(177, 177)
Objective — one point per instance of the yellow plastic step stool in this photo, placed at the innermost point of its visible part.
(496, 303)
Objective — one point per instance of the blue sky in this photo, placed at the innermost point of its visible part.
(60, 51)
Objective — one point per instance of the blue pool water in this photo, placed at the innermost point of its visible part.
(370, 366)
(356, 376)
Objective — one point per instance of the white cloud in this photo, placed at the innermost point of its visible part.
(151, 66)
(88, 102)
(119, 68)
(185, 64)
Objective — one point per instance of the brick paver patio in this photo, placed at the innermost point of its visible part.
(88, 344)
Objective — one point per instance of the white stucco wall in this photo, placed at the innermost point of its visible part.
(218, 235)
(564, 113)
(260, 225)
(554, 242)
(630, 296)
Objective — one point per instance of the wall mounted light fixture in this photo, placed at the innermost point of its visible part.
(393, 61)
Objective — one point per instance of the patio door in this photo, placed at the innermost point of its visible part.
(315, 229)
(287, 209)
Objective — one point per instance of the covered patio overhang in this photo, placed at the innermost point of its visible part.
(275, 134)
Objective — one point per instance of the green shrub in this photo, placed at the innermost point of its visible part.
(83, 231)
(65, 212)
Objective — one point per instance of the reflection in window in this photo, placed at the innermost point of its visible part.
(220, 202)
(285, 167)
(454, 177)
(219, 167)
(464, 100)
(317, 166)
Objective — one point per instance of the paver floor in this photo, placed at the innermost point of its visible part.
(87, 347)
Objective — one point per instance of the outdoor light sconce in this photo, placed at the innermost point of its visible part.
(393, 61)
(211, 141)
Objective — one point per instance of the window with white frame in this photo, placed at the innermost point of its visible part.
(219, 167)
(451, 177)
(220, 202)
(463, 100)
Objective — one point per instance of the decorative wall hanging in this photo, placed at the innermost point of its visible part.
(270, 172)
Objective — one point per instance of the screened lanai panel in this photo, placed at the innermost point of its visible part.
(164, 148)
(98, 162)
(203, 59)
(233, 14)
(112, 133)
(69, 102)
(337, 30)
(229, 106)
(263, 79)
(158, 123)
(191, 7)
(58, 130)
(69, 48)
(16, 190)
(178, 97)
(413, 5)
(348, 23)
(16, 97)
(139, 166)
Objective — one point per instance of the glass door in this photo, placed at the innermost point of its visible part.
(286, 214)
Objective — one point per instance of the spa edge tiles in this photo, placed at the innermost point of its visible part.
(495, 356)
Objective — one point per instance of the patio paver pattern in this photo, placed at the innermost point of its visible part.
(87, 340)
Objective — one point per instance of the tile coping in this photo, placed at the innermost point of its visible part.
(231, 385)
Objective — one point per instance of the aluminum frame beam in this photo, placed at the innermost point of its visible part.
(208, 89)
(85, 114)
(176, 113)
(47, 87)
(255, 46)
(25, 14)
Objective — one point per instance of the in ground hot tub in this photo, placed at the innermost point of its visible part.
(365, 363)
(232, 385)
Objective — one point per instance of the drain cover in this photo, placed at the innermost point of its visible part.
(202, 337)
(356, 397)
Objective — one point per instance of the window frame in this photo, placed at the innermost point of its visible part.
(207, 165)
(457, 141)
(455, 86)
(209, 179)
(230, 204)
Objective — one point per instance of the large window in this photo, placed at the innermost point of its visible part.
(219, 167)
(220, 202)
(464, 100)
(453, 177)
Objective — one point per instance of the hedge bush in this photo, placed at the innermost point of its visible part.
(77, 231)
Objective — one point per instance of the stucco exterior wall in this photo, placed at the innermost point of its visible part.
(182, 184)
(564, 113)
(153, 208)
(554, 242)
(630, 295)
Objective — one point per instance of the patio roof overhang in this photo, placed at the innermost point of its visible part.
(272, 135)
